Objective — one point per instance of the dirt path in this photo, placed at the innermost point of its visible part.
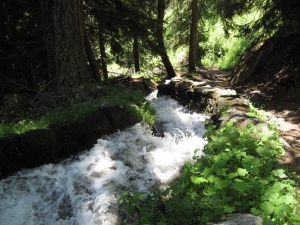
(281, 104)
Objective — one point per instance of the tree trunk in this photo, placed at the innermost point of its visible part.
(46, 14)
(193, 38)
(136, 54)
(91, 57)
(103, 54)
(198, 53)
(64, 37)
(160, 39)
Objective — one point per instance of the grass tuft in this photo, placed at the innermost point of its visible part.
(132, 100)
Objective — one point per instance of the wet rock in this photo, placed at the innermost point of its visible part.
(226, 92)
(118, 117)
(186, 85)
(239, 219)
(199, 84)
(176, 79)
(31, 149)
(201, 97)
(149, 85)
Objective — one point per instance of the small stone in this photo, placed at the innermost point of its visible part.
(186, 85)
(199, 84)
(176, 79)
(227, 92)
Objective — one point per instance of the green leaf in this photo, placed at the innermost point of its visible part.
(186, 204)
(264, 138)
(198, 180)
(206, 172)
(288, 198)
(229, 209)
(210, 191)
(279, 213)
(285, 208)
(264, 151)
(267, 207)
(220, 184)
(279, 173)
(222, 172)
(238, 203)
(242, 172)
(212, 178)
(252, 165)
(239, 185)
(161, 223)
(255, 211)
(232, 175)
(196, 150)
(296, 217)
(273, 198)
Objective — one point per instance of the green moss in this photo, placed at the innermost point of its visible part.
(132, 100)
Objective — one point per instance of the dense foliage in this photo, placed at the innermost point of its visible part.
(125, 32)
(239, 173)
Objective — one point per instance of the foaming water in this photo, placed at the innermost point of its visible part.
(84, 189)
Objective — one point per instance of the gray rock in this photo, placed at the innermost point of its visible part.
(239, 219)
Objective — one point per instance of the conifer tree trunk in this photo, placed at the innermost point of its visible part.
(64, 38)
(103, 53)
(136, 54)
(193, 37)
(160, 39)
(91, 57)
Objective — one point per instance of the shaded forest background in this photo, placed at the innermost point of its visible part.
(59, 45)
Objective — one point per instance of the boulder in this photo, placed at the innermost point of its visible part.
(198, 96)
(239, 219)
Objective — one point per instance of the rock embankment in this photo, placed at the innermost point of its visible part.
(38, 147)
(201, 97)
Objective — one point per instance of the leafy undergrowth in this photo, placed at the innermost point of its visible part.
(239, 173)
(132, 100)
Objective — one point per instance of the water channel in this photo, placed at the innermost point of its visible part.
(83, 190)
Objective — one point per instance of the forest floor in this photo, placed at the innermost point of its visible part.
(281, 103)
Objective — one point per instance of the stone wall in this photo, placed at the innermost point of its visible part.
(200, 97)
(38, 147)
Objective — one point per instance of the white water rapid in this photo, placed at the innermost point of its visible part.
(83, 190)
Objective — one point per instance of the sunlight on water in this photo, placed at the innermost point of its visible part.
(84, 189)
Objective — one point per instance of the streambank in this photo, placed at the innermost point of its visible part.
(201, 96)
(222, 105)
(38, 147)
(85, 189)
(42, 146)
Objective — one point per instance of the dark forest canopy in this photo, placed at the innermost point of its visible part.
(62, 44)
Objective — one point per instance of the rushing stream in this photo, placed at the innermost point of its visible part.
(84, 189)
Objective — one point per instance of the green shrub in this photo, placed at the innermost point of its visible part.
(239, 173)
(220, 49)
